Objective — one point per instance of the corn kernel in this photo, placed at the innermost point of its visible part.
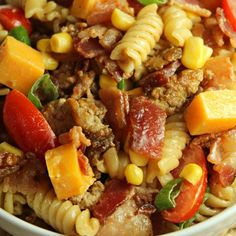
(43, 45)
(192, 173)
(195, 53)
(137, 159)
(105, 81)
(61, 43)
(134, 174)
(121, 20)
(50, 63)
(6, 147)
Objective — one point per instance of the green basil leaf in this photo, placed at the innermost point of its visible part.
(165, 199)
(146, 2)
(187, 223)
(21, 34)
(121, 85)
(43, 90)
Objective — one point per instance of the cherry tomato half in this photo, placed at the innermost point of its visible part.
(229, 7)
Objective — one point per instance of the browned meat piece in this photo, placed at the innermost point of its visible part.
(59, 116)
(29, 179)
(160, 77)
(225, 26)
(91, 197)
(173, 95)
(93, 41)
(105, 64)
(10, 163)
(127, 220)
(163, 57)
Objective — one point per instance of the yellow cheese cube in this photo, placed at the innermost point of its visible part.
(82, 8)
(211, 112)
(66, 175)
(20, 65)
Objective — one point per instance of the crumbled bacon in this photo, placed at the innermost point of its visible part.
(115, 194)
(225, 26)
(160, 77)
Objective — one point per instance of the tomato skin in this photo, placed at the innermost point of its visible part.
(229, 7)
(191, 196)
(11, 17)
(26, 125)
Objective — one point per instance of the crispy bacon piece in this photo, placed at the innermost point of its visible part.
(225, 26)
(160, 77)
(115, 194)
(117, 104)
(222, 155)
(146, 127)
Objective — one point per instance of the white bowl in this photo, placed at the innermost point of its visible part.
(214, 226)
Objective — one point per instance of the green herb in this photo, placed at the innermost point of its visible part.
(21, 34)
(165, 199)
(121, 85)
(146, 2)
(187, 223)
(43, 90)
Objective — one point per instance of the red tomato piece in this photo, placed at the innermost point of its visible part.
(11, 17)
(191, 196)
(26, 125)
(229, 7)
(146, 127)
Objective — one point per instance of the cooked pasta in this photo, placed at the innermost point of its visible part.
(62, 215)
(177, 27)
(12, 202)
(139, 40)
(115, 162)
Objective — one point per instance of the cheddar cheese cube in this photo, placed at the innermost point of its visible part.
(211, 112)
(66, 174)
(20, 65)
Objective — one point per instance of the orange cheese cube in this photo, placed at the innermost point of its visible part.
(20, 65)
(211, 112)
(65, 173)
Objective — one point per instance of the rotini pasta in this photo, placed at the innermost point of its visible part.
(12, 202)
(177, 26)
(139, 40)
(115, 162)
(176, 138)
(62, 215)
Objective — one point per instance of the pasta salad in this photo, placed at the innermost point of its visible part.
(117, 116)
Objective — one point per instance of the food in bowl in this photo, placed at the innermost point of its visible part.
(118, 116)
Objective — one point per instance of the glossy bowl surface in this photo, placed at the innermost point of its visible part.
(214, 226)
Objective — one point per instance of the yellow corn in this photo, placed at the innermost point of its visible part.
(49, 62)
(137, 159)
(121, 20)
(193, 17)
(105, 81)
(192, 173)
(43, 45)
(134, 174)
(61, 43)
(6, 147)
(195, 53)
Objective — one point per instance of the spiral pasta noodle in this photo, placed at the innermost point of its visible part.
(42, 10)
(139, 40)
(62, 215)
(12, 202)
(177, 26)
(176, 138)
(115, 163)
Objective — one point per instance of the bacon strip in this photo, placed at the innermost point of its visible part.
(115, 194)
(225, 26)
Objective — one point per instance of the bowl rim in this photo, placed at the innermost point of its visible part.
(199, 227)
